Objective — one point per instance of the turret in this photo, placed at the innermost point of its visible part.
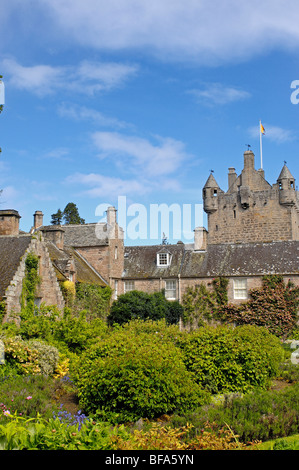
(210, 195)
(286, 182)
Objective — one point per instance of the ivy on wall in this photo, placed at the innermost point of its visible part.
(201, 304)
(30, 283)
(273, 306)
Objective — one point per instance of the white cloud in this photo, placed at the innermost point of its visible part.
(274, 133)
(208, 31)
(153, 159)
(59, 153)
(79, 113)
(104, 186)
(215, 93)
(86, 78)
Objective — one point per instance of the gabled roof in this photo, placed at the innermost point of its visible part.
(61, 258)
(12, 249)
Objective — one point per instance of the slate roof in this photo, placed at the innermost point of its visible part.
(244, 259)
(61, 258)
(12, 249)
(141, 261)
(85, 235)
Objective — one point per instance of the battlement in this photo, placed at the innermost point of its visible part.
(252, 209)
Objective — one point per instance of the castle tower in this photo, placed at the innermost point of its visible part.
(252, 210)
(210, 195)
(286, 182)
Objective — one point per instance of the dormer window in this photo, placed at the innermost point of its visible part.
(163, 259)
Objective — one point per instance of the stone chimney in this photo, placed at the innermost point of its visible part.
(9, 222)
(248, 160)
(200, 239)
(55, 234)
(232, 176)
(38, 218)
(111, 215)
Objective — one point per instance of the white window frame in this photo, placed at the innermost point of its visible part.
(240, 289)
(115, 289)
(129, 286)
(163, 259)
(170, 289)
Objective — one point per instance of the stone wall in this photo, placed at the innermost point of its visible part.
(48, 290)
(264, 220)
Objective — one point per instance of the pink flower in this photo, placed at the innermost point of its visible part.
(28, 398)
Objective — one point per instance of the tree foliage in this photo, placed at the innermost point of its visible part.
(69, 215)
(136, 304)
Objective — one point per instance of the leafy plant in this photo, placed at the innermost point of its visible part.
(128, 376)
(30, 282)
(199, 305)
(137, 304)
(225, 359)
(274, 306)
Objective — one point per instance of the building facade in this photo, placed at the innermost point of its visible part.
(253, 230)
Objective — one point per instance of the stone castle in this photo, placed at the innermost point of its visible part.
(253, 230)
(252, 209)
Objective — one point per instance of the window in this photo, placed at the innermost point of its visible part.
(38, 301)
(170, 290)
(240, 289)
(115, 253)
(115, 289)
(129, 285)
(163, 259)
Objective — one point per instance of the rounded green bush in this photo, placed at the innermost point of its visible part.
(129, 376)
(226, 359)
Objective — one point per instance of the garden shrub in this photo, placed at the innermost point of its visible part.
(92, 298)
(129, 376)
(30, 357)
(48, 356)
(137, 304)
(258, 416)
(226, 359)
(76, 334)
(20, 356)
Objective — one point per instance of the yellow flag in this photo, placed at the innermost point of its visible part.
(262, 129)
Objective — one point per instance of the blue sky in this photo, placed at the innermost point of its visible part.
(141, 99)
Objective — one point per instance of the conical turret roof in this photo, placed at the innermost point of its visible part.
(211, 182)
(285, 173)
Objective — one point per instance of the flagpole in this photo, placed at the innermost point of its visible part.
(261, 147)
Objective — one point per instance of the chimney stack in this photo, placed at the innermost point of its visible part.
(55, 234)
(200, 239)
(9, 222)
(38, 219)
(232, 176)
(111, 215)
